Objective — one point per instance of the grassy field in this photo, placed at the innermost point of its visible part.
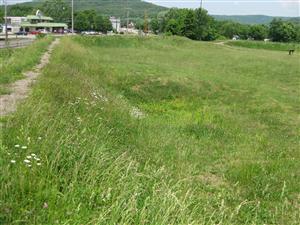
(123, 130)
(13, 62)
(266, 45)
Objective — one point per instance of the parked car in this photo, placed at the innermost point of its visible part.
(23, 33)
(44, 32)
(35, 32)
(89, 33)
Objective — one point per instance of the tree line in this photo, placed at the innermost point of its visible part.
(194, 24)
(198, 25)
(60, 11)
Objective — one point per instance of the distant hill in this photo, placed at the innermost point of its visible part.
(253, 19)
(116, 8)
(137, 10)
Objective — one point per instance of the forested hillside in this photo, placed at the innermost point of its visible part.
(253, 19)
(136, 8)
(116, 8)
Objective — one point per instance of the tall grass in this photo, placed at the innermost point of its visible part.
(266, 45)
(154, 131)
(13, 62)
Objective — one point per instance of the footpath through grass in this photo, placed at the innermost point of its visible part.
(123, 130)
(13, 62)
(266, 45)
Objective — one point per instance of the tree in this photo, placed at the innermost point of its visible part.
(168, 24)
(161, 17)
(282, 31)
(58, 10)
(81, 22)
(298, 33)
(98, 21)
(90, 20)
(139, 24)
(154, 25)
(20, 10)
(173, 27)
(1, 16)
(228, 29)
(258, 32)
(204, 25)
(106, 25)
(189, 25)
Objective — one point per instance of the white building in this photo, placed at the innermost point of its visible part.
(116, 23)
(13, 24)
(33, 23)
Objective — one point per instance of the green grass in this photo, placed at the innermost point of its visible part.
(266, 45)
(13, 62)
(155, 131)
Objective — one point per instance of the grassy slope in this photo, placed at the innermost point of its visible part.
(13, 62)
(217, 144)
(265, 45)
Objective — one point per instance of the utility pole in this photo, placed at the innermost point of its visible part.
(127, 19)
(146, 28)
(5, 16)
(201, 4)
(72, 16)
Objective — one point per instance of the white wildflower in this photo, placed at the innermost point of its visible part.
(17, 146)
(39, 164)
(28, 165)
(13, 161)
(33, 155)
(103, 98)
(24, 147)
(40, 138)
(37, 159)
(26, 161)
(45, 205)
(137, 113)
(29, 157)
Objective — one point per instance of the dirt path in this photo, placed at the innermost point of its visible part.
(220, 43)
(20, 89)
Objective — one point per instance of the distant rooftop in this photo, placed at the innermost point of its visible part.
(27, 24)
(33, 17)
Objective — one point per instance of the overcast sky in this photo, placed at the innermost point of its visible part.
(232, 7)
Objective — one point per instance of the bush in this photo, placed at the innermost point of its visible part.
(40, 36)
(281, 31)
